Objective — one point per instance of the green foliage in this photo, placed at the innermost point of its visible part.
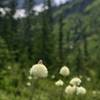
(74, 41)
(4, 53)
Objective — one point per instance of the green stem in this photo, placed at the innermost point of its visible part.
(34, 85)
(61, 95)
(32, 90)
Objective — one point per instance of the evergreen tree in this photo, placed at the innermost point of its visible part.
(47, 37)
(61, 36)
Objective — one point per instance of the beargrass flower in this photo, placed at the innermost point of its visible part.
(94, 92)
(9, 67)
(80, 90)
(64, 71)
(30, 77)
(88, 79)
(59, 83)
(53, 77)
(75, 81)
(28, 84)
(70, 90)
(39, 70)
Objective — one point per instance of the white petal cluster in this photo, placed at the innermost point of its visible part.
(80, 90)
(9, 67)
(28, 84)
(59, 83)
(88, 79)
(70, 90)
(30, 77)
(94, 92)
(39, 71)
(64, 71)
(53, 77)
(75, 81)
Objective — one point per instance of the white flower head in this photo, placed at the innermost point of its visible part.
(88, 79)
(59, 83)
(94, 92)
(30, 77)
(9, 67)
(75, 81)
(64, 71)
(28, 84)
(53, 77)
(80, 90)
(39, 70)
(70, 90)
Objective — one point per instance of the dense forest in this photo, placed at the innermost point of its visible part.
(68, 34)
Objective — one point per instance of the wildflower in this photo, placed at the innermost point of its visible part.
(30, 77)
(80, 90)
(94, 92)
(39, 70)
(53, 77)
(64, 71)
(70, 90)
(9, 67)
(28, 84)
(75, 81)
(59, 83)
(88, 79)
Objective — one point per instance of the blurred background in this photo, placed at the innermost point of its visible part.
(60, 32)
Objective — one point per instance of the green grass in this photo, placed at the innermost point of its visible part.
(46, 90)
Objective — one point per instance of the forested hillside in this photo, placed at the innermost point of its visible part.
(68, 34)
